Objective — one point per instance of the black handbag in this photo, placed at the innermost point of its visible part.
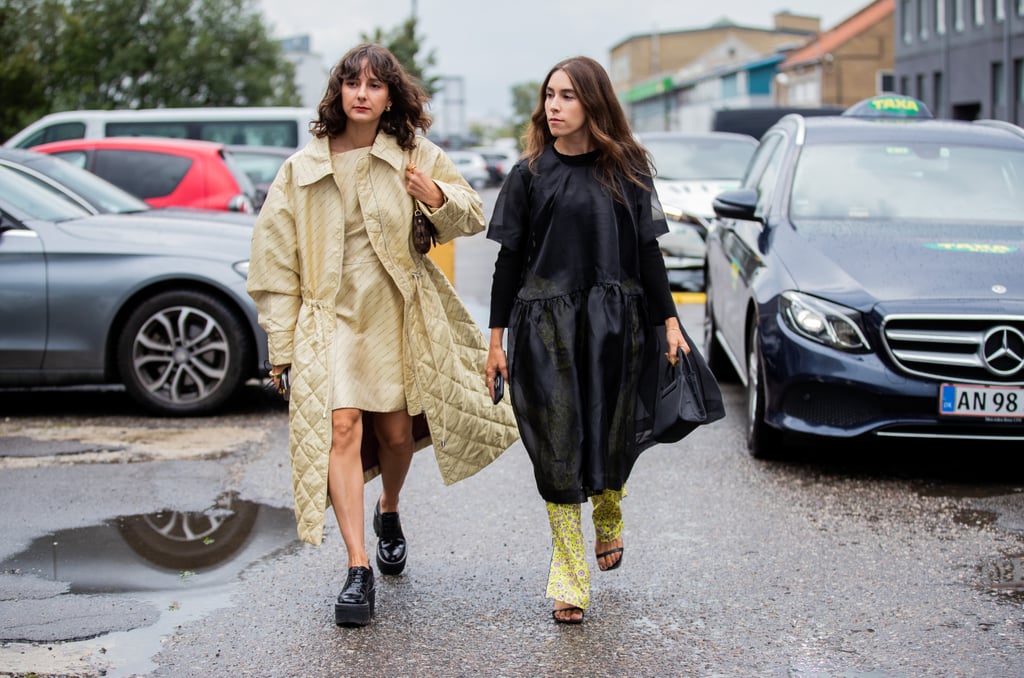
(688, 396)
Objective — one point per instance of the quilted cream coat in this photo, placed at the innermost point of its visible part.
(294, 277)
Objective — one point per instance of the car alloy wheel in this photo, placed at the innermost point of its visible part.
(183, 353)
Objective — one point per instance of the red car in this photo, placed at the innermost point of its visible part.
(164, 172)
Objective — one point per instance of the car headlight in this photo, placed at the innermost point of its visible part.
(678, 219)
(242, 268)
(823, 321)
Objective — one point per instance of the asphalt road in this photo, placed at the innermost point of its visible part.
(854, 561)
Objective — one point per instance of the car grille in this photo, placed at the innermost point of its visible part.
(961, 348)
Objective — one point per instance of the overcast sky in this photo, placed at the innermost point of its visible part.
(494, 45)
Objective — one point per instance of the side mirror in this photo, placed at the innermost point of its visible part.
(736, 204)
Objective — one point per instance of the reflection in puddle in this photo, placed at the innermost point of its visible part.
(1006, 575)
(184, 564)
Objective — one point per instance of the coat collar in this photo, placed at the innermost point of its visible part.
(313, 162)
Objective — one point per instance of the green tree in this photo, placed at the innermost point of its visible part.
(138, 54)
(405, 45)
(524, 100)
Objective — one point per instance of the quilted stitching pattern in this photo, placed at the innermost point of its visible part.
(445, 351)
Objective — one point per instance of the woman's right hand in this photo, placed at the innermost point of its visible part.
(496, 360)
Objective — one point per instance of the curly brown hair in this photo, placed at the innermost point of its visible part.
(406, 114)
(621, 154)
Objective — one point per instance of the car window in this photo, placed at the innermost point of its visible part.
(100, 193)
(57, 132)
(260, 167)
(766, 166)
(241, 178)
(251, 133)
(34, 200)
(760, 160)
(173, 130)
(920, 181)
(696, 159)
(141, 173)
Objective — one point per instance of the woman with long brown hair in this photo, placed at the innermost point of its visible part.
(581, 286)
(383, 358)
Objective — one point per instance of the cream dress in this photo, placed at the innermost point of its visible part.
(368, 335)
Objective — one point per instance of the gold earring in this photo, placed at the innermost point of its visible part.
(387, 109)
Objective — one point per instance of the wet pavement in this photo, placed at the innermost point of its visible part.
(141, 546)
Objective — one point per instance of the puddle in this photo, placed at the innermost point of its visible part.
(169, 568)
(1006, 576)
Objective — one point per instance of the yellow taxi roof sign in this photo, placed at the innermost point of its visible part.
(889, 106)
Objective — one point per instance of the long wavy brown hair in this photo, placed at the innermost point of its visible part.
(621, 154)
(407, 96)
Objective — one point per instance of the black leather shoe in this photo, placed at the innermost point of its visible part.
(390, 541)
(355, 602)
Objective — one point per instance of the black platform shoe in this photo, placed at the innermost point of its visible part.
(390, 541)
(355, 602)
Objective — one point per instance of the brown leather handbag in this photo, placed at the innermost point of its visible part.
(423, 232)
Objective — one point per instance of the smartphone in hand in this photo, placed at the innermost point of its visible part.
(285, 383)
(499, 387)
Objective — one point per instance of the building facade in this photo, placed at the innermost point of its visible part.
(848, 63)
(964, 58)
(676, 80)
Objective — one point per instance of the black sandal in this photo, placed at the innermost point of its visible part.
(567, 610)
(612, 552)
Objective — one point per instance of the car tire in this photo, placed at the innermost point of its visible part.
(183, 353)
(763, 441)
(715, 355)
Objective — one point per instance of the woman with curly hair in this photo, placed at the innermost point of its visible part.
(581, 286)
(382, 357)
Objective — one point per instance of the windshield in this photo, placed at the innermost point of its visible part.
(922, 181)
(100, 193)
(34, 201)
(696, 159)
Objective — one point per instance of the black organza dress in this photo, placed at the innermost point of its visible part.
(581, 345)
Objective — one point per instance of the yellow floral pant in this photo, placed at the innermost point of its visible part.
(569, 577)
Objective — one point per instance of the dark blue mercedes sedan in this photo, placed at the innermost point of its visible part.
(867, 278)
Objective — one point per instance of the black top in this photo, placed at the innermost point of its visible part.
(580, 285)
(512, 258)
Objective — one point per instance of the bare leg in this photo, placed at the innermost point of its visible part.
(345, 482)
(394, 431)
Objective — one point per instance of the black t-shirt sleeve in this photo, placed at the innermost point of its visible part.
(510, 219)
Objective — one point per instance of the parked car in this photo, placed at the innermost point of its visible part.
(867, 278)
(260, 164)
(158, 304)
(260, 126)
(690, 170)
(499, 161)
(95, 194)
(164, 172)
(472, 167)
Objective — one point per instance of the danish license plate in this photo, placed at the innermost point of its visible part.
(991, 402)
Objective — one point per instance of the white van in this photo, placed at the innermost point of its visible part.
(267, 126)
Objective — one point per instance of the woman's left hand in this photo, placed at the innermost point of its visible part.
(675, 340)
(422, 187)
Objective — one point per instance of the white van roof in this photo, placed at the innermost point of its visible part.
(92, 123)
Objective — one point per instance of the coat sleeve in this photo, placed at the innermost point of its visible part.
(463, 211)
(273, 280)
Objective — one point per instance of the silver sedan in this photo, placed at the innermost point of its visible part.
(158, 304)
